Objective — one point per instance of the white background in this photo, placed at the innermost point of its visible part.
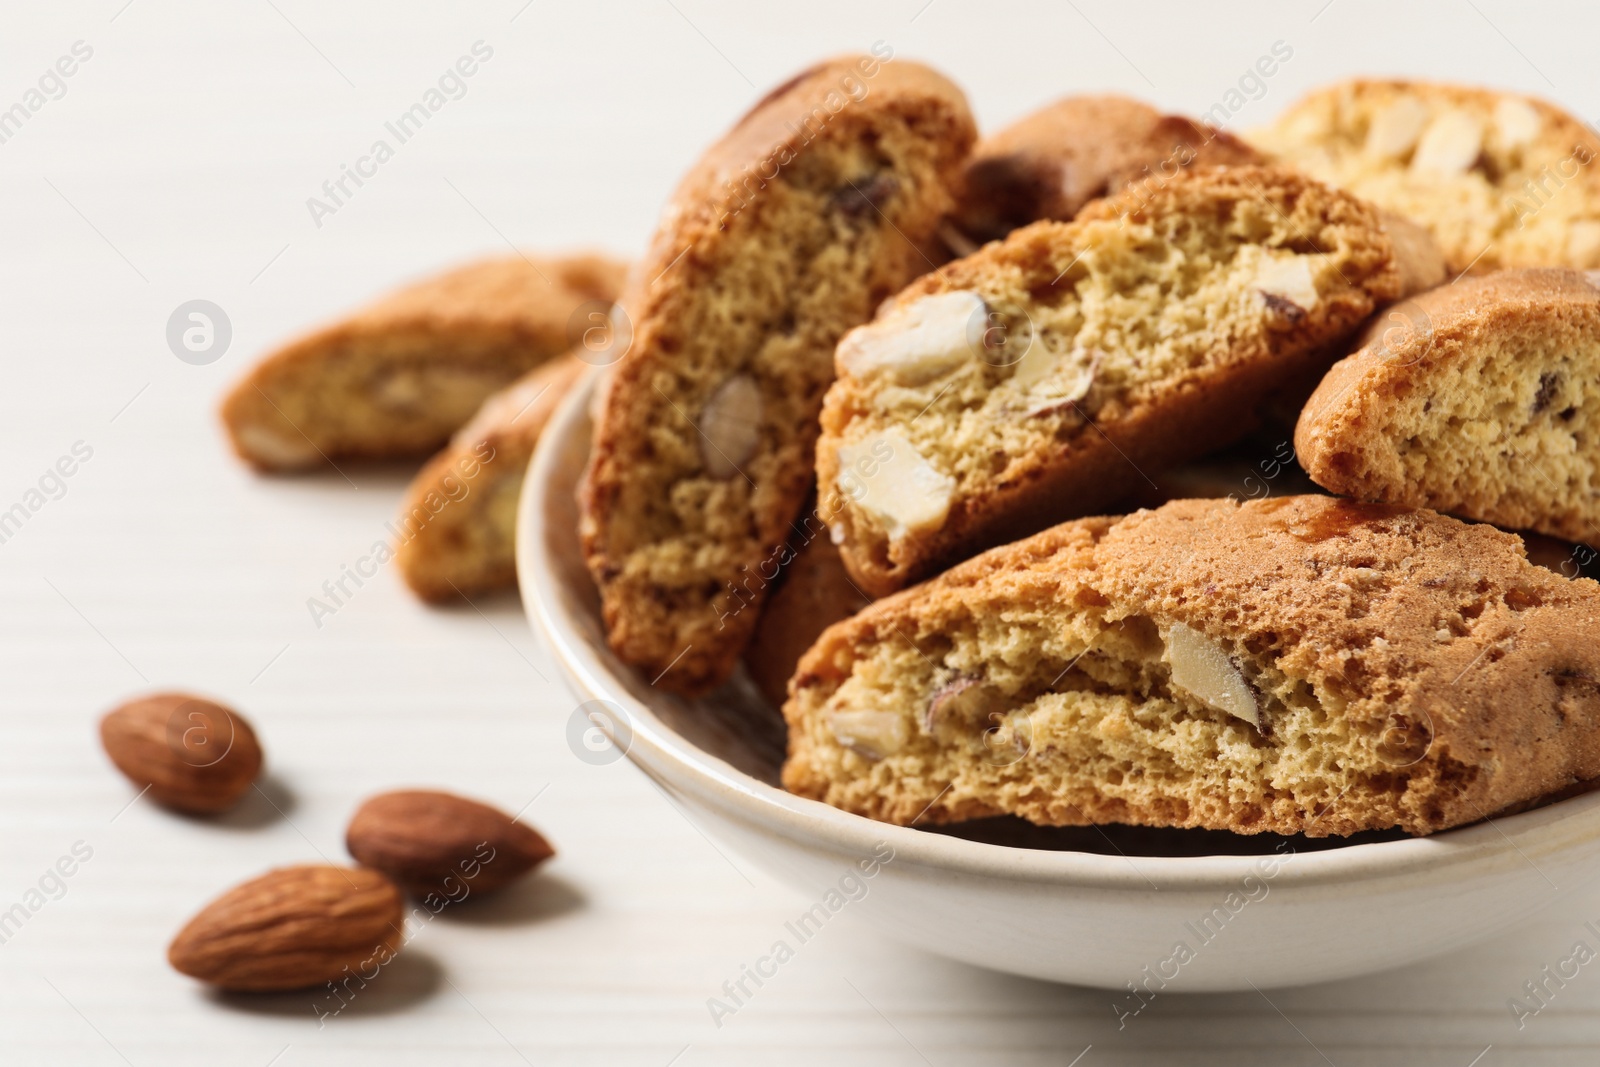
(177, 166)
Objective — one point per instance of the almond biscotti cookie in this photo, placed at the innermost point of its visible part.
(398, 378)
(1480, 398)
(1500, 179)
(457, 527)
(1041, 377)
(1296, 665)
(1051, 163)
(820, 202)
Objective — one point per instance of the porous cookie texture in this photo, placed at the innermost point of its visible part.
(1500, 179)
(398, 378)
(1296, 665)
(1051, 163)
(1046, 376)
(1480, 398)
(820, 202)
(456, 535)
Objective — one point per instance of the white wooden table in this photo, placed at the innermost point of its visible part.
(175, 164)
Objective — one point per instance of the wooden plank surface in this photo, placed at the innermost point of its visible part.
(176, 164)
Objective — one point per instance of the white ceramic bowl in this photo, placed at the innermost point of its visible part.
(1207, 922)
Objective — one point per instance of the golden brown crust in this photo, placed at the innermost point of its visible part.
(1051, 163)
(396, 378)
(816, 592)
(1243, 358)
(1414, 671)
(1526, 195)
(457, 525)
(1474, 398)
(821, 202)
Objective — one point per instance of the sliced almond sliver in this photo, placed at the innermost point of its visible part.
(1201, 668)
(1517, 122)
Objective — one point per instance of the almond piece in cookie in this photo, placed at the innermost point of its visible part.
(457, 527)
(1296, 665)
(1500, 179)
(1051, 163)
(1150, 329)
(1480, 398)
(398, 378)
(817, 205)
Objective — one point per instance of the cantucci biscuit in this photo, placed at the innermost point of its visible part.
(1042, 377)
(457, 527)
(398, 378)
(1499, 179)
(817, 205)
(1480, 398)
(1294, 665)
(1051, 163)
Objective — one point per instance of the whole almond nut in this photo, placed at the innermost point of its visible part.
(432, 842)
(292, 928)
(730, 426)
(194, 755)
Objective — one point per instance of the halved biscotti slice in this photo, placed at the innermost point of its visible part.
(456, 535)
(1296, 665)
(1500, 179)
(1046, 375)
(1480, 398)
(817, 205)
(1051, 163)
(396, 379)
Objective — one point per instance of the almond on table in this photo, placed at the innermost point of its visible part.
(434, 842)
(193, 754)
(293, 928)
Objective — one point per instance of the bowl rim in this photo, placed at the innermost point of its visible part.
(678, 764)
